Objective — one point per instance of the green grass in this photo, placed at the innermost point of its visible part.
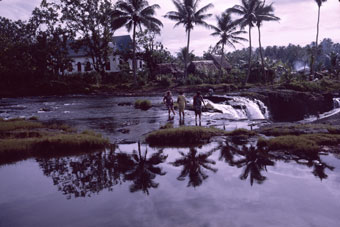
(308, 143)
(242, 132)
(11, 125)
(21, 139)
(297, 129)
(182, 136)
(143, 104)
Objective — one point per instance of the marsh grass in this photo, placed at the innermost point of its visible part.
(182, 136)
(143, 104)
(21, 139)
(308, 143)
(240, 136)
(298, 129)
(242, 132)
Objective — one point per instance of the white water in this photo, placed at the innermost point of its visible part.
(239, 108)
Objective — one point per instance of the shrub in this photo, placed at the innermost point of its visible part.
(143, 104)
(165, 80)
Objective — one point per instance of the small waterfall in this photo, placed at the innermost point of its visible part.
(240, 108)
(336, 103)
(335, 110)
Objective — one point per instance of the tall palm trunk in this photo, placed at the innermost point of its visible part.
(134, 55)
(186, 56)
(249, 60)
(314, 53)
(261, 54)
(221, 62)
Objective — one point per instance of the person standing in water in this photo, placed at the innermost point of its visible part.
(181, 105)
(198, 100)
(167, 99)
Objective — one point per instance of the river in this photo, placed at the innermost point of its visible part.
(132, 184)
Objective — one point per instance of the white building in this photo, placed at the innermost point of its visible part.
(82, 61)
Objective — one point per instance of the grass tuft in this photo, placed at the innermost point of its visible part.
(181, 136)
(143, 104)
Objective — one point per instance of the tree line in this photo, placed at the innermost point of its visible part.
(37, 49)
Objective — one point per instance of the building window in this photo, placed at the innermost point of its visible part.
(88, 67)
(79, 67)
(108, 66)
(140, 64)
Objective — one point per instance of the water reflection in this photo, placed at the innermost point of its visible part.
(318, 166)
(143, 170)
(88, 174)
(85, 175)
(194, 164)
(253, 161)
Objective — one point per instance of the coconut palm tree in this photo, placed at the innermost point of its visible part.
(263, 13)
(133, 14)
(314, 53)
(227, 32)
(189, 15)
(248, 18)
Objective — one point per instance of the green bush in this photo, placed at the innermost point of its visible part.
(193, 80)
(165, 80)
(143, 104)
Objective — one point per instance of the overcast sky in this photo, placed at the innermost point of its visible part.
(297, 24)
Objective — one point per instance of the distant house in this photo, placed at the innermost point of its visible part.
(212, 65)
(205, 67)
(169, 68)
(82, 61)
(220, 61)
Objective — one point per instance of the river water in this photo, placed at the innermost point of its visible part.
(132, 184)
(117, 119)
(142, 186)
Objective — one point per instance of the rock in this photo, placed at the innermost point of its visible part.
(125, 104)
(124, 130)
(289, 105)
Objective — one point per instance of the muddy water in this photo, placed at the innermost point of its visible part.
(133, 185)
(116, 117)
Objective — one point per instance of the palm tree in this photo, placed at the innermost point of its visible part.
(264, 13)
(189, 15)
(227, 32)
(133, 14)
(182, 53)
(248, 18)
(314, 53)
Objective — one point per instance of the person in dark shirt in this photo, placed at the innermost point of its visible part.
(197, 104)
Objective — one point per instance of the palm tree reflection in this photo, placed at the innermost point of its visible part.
(319, 167)
(254, 162)
(144, 170)
(194, 164)
(85, 175)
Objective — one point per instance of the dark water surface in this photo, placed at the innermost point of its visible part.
(135, 185)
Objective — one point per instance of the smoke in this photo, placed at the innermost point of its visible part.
(300, 65)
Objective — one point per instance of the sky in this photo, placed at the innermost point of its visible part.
(297, 24)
